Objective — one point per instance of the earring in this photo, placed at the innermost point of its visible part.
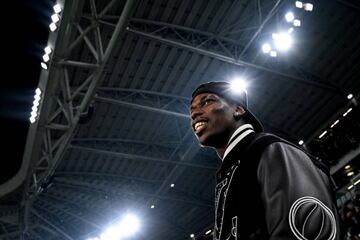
(237, 115)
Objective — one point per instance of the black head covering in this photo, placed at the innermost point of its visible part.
(223, 89)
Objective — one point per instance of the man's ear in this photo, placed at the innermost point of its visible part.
(240, 110)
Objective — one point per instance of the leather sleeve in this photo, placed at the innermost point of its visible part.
(296, 195)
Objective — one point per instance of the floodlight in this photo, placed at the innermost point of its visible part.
(152, 206)
(350, 173)
(32, 119)
(208, 232)
(273, 53)
(46, 58)
(347, 112)
(298, 4)
(347, 166)
(52, 27)
(350, 187)
(301, 142)
(33, 114)
(55, 18)
(266, 48)
(289, 17)
(357, 182)
(38, 91)
(57, 8)
(47, 50)
(308, 7)
(37, 97)
(238, 85)
(34, 108)
(274, 36)
(172, 185)
(283, 41)
(323, 134)
(350, 96)
(36, 103)
(192, 235)
(43, 65)
(297, 23)
(290, 30)
(333, 125)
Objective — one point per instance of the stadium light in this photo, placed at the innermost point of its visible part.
(297, 23)
(273, 53)
(172, 185)
(290, 30)
(152, 206)
(301, 142)
(266, 48)
(308, 7)
(350, 96)
(52, 27)
(289, 17)
(55, 18)
(57, 8)
(47, 50)
(333, 125)
(35, 107)
(46, 58)
(347, 112)
(192, 235)
(43, 65)
(323, 134)
(298, 4)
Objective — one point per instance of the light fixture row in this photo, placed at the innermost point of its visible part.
(35, 107)
(349, 97)
(55, 17)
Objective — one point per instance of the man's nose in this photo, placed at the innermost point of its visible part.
(195, 112)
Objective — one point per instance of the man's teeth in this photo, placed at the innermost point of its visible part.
(199, 125)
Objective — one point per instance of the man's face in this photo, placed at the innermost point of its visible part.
(212, 119)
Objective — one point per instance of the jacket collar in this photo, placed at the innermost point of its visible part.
(237, 136)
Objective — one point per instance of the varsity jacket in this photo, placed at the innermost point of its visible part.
(269, 189)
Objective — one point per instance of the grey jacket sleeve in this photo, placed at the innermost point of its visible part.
(296, 195)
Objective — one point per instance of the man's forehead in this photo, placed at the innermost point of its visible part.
(201, 96)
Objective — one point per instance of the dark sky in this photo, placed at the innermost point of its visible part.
(24, 35)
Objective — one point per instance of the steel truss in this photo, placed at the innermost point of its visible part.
(61, 108)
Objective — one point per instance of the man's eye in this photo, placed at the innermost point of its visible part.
(208, 101)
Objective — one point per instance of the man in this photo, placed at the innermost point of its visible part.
(267, 188)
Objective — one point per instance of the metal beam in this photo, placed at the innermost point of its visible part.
(140, 157)
(223, 58)
(58, 230)
(141, 107)
(256, 34)
(90, 187)
(87, 221)
(109, 175)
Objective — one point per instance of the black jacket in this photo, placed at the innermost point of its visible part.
(268, 188)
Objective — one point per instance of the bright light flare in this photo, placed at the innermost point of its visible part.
(350, 96)
(128, 225)
(238, 85)
(289, 17)
(266, 48)
(283, 41)
(301, 142)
